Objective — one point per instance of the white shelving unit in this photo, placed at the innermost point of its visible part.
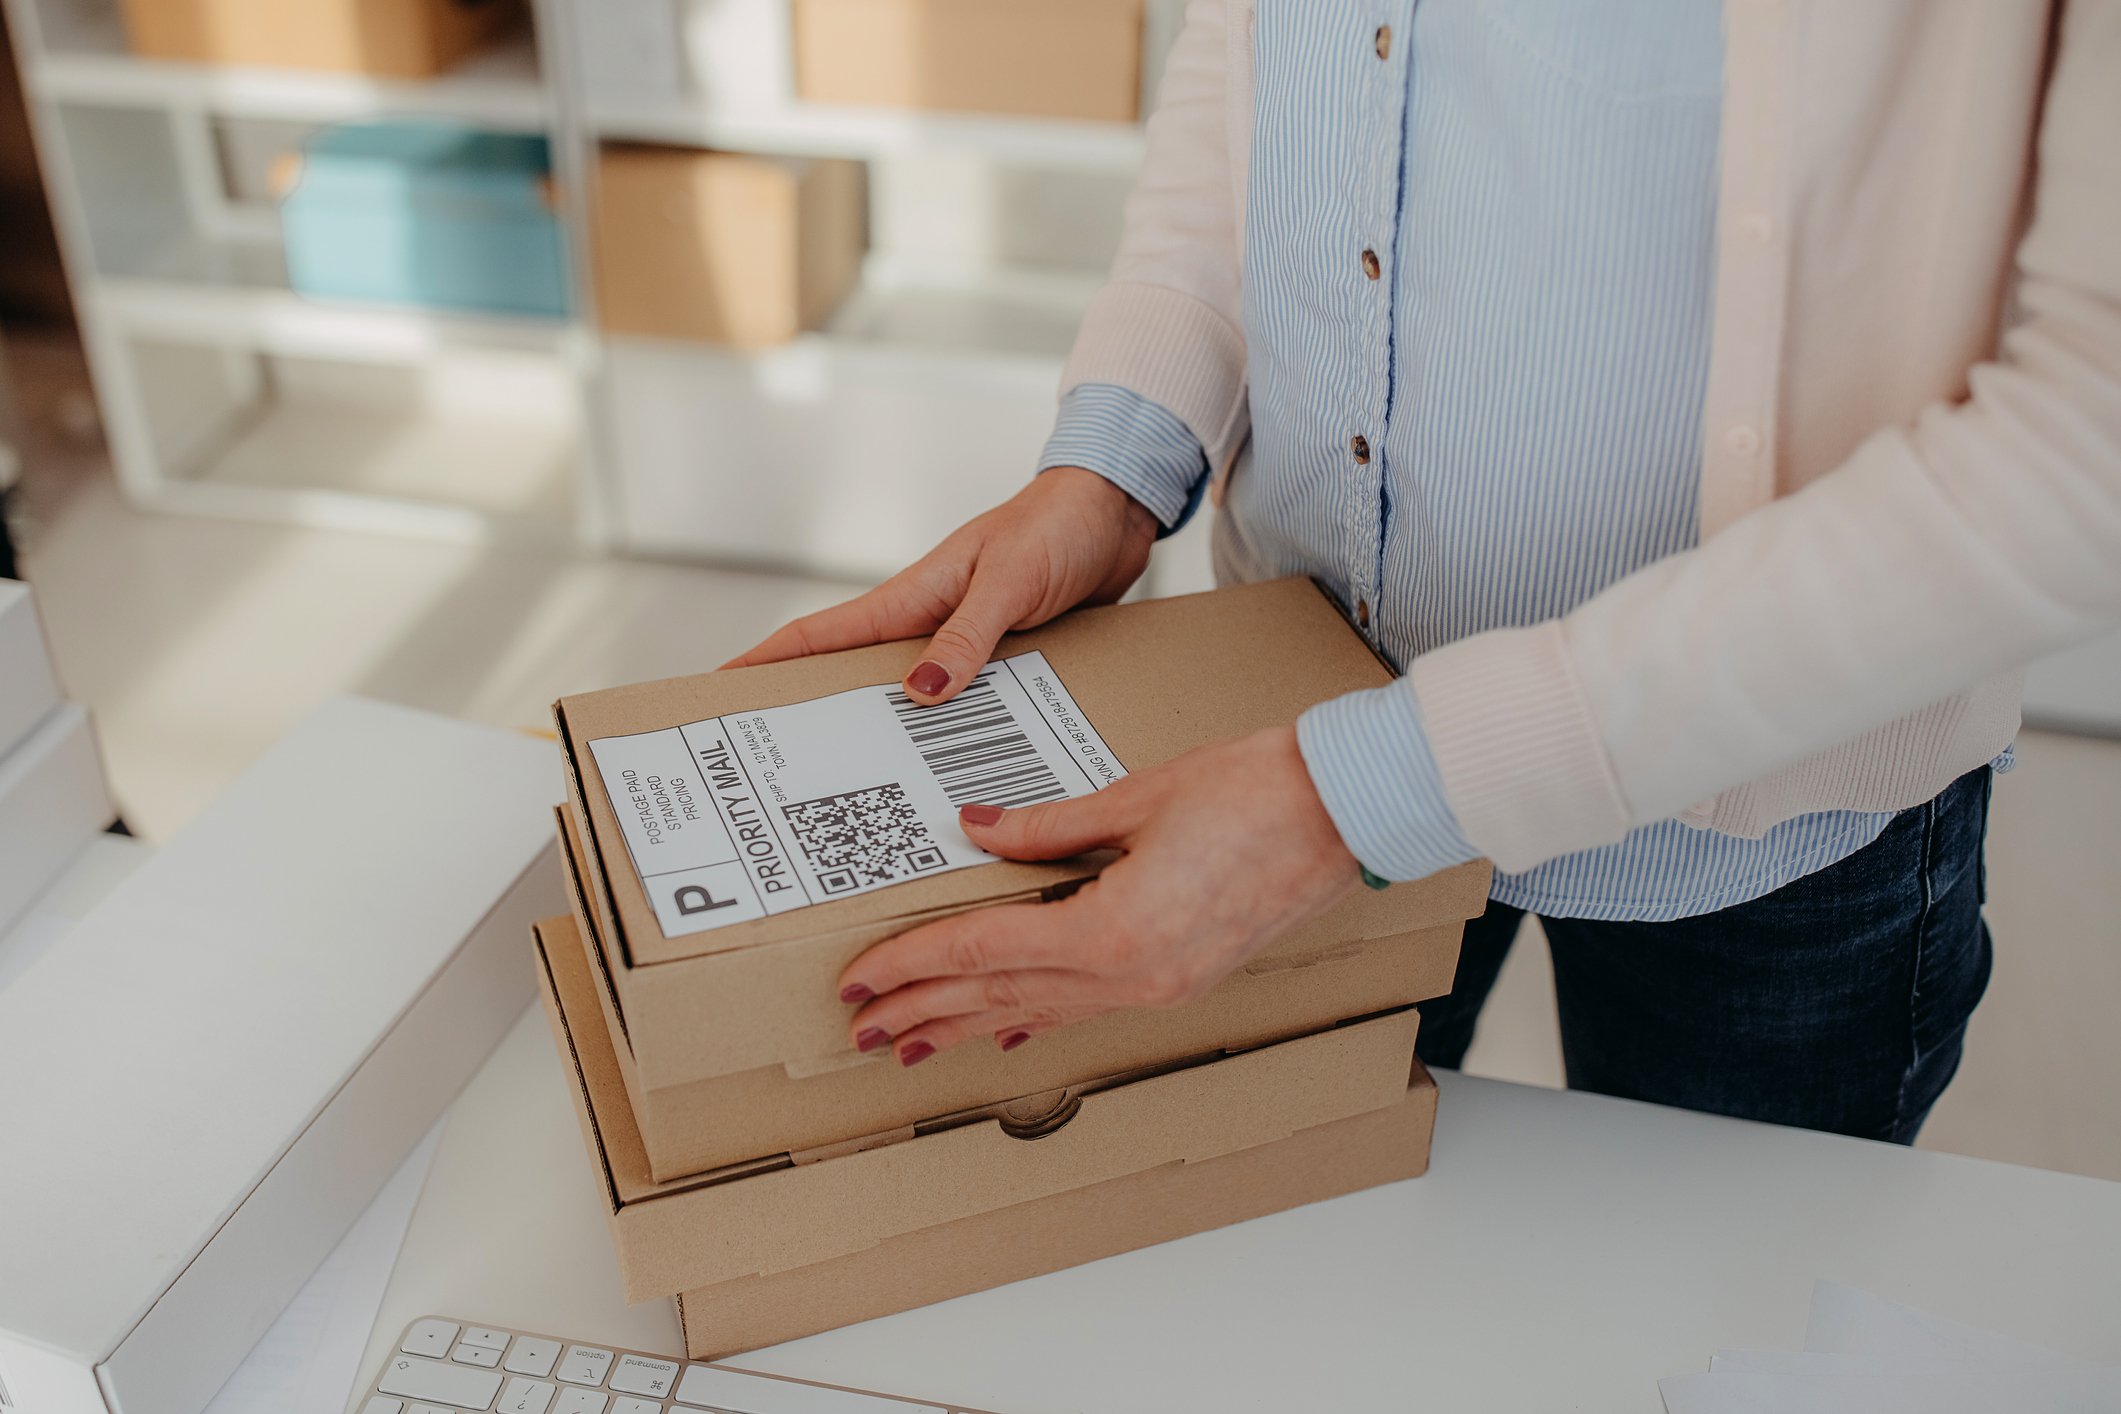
(848, 451)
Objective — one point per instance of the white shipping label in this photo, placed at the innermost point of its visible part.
(736, 817)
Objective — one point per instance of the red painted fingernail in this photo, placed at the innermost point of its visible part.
(854, 994)
(980, 814)
(915, 1053)
(1014, 1039)
(928, 678)
(872, 1039)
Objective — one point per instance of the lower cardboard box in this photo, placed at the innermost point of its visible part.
(773, 1216)
(707, 1124)
(1064, 1230)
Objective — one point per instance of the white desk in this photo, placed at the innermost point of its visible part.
(1564, 1252)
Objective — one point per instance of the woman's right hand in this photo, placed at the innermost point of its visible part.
(1069, 537)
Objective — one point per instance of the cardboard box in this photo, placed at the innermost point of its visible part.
(1029, 1239)
(707, 1124)
(763, 992)
(721, 247)
(407, 39)
(52, 804)
(792, 1212)
(1079, 59)
(29, 689)
(242, 1041)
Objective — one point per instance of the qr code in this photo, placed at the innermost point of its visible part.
(862, 837)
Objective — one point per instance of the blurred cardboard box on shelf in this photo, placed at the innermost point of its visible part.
(1037, 58)
(707, 1124)
(426, 213)
(788, 1222)
(746, 834)
(405, 39)
(724, 248)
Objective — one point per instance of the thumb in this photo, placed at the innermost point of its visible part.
(960, 648)
(1058, 829)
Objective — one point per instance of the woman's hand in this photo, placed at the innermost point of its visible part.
(1069, 537)
(1227, 848)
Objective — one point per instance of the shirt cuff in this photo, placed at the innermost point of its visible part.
(1138, 445)
(1368, 754)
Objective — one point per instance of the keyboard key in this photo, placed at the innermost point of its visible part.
(585, 1365)
(469, 1354)
(485, 1338)
(429, 1409)
(580, 1401)
(432, 1338)
(525, 1397)
(460, 1385)
(380, 1405)
(733, 1389)
(642, 1374)
(627, 1404)
(532, 1356)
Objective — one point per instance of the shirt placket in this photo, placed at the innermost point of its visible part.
(1379, 59)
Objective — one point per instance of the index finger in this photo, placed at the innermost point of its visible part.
(890, 611)
(1010, 937)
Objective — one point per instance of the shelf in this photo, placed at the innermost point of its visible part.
(976, 316)
(236, 293)
(818, 130)
(430, 474)
(86, 61)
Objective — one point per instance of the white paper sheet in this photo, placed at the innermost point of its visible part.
(1846, 1321)
(308, 1361)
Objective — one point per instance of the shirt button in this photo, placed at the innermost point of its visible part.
(1757, 226)
(1362, 612)
(1370, 267)
(1360, 446)
(1742, 440)
(1384, 41)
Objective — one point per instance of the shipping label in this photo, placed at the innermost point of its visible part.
(737, 817)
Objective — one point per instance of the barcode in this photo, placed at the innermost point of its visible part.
(975, 749)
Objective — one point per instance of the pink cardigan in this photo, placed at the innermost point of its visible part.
(1911, 460)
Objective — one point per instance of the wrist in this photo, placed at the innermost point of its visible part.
(1327, 846)
(1110, 500)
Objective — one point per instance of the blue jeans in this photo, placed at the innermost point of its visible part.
(1837, 1002)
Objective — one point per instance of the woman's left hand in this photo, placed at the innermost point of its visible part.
(1227, 848)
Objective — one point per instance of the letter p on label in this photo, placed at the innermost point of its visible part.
(691, 898)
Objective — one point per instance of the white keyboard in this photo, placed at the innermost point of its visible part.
(447, 1367)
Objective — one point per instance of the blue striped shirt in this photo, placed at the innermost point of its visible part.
(1524, 365)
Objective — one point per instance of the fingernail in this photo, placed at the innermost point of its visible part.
(854, 994)
(915, 1053)
(980, 814)
(872, 1039)
(928, 679)
(1014, 1039)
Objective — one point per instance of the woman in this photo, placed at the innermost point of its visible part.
(1708, 412)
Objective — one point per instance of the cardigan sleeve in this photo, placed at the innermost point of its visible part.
(1167, 325)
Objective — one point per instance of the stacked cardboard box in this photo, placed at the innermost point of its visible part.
(730, 850)
(407, 39)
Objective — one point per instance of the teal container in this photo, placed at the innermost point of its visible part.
(427, 214)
